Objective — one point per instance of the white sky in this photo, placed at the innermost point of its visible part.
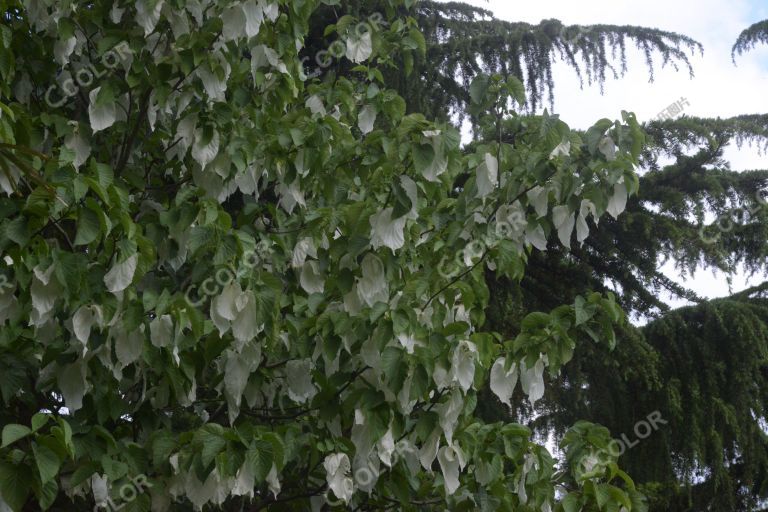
(719, 89)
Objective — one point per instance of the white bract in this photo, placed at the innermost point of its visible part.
(487, 175)
(503, 381)
(337, 468)
(121, 274)
(101, 114)
(386, 231)
(463, 364)
(298, 374)
(452, 462)
(372, 287)
(311, 278)
(359, 48)
(366, 118)
(618, 202)
(562, 149)
(206, 147)
(148, 14)
(532, 380)
(564, 220)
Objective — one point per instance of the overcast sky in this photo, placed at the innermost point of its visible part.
(719, 89)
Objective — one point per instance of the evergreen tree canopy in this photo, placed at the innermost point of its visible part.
(463, 42)
(750, 38)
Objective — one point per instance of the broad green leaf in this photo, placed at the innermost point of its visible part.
(88, 227)
(47, 461)
(15, 484)
(13, 433)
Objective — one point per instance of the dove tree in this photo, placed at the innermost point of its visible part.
(225, 283)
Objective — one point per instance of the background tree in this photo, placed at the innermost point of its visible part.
(463, 41)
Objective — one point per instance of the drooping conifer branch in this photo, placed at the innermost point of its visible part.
(750, 38)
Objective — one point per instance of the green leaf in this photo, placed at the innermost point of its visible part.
(423, 156)
(581, 312)
(516, 89)
(14, 432)
(47, 461)
(18, 231)
(66, 437)
(163, 444)
(113, 468)
(47, 494)
(211, 437)
(260, 457)
(403, 203)
(595, 134)
(571, 503)
(478, 90)
(602, 494)
(39, 420)
(421, 43)
(83, 473)
(88, 227)
(15, 484)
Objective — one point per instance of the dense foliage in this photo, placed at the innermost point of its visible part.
(225, 282)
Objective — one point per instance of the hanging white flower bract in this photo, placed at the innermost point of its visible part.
(148, 14)
(564, 220)
(337, 468)
(298, 375)
(206, 146)
(311, 278)
(503, 381)
(463, 364)
(487, 175)
(101, 113)
(386, 231)
(366, 118)
(359, 48)
(372, 287)
(452, 462)
(121, 274)
(532, 380)
(618, 202)
(562, 149)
